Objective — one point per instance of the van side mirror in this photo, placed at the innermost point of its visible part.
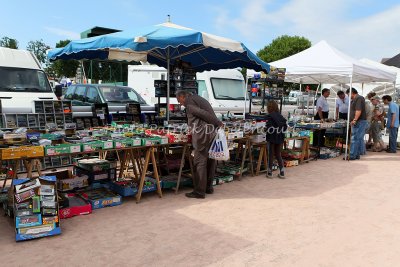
(204, 95)
(58, 90)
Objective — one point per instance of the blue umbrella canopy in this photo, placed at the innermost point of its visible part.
(161, 44)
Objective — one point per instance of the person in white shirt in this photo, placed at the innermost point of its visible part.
(322, 106)
(342, 106)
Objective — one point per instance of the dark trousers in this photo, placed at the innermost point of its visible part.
(274, 150)
(204, 171)
(342, 116)
(393, 139)
(325, 115)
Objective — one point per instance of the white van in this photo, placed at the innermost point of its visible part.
(22, 80)
(224, 89)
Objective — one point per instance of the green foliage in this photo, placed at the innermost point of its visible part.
(9, 42)
(38, 48)
(65, 68)
(282, 47)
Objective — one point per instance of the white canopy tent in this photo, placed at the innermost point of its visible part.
(380, 88)
(323, 63)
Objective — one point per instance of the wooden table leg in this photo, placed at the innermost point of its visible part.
(260, 157)
(122, 164)
(181, 168)
(38, 165)
(250, 151)
(134, 165)
(139, 160)
(153, 160)
(16, 164)
(265, 157)
(243, 161)
(143, 175)
(28, 163)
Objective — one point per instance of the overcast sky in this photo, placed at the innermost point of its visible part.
(360, 28)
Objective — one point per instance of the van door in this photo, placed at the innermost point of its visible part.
(80, 107)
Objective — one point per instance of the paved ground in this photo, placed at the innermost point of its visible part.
(326, 213)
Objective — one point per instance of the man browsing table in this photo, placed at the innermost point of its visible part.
(358, 122)
(203, 124)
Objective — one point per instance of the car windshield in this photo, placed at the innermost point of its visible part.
(23, 80)
(121, 94)
(228, 89)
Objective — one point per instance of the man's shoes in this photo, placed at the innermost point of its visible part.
(350, 158)
(194, 195)
(210, 190)
(388, 151)
(281, 174)
(269, 174)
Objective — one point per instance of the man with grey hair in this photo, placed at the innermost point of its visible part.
(203, 124)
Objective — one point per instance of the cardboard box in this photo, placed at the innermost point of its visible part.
(94, 176)
(8, 136)
(227, 178)
(124, 189)
(76, 206)
(101, 198)
(97, 145)
(27, 221)
(94, 165)
(258, 138)
(62, 149)
(21, 152)
(136, 141)
(67, 181)
(230, 168)
(121, 143)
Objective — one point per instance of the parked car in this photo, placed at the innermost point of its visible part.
(83, 96)
(293, 97)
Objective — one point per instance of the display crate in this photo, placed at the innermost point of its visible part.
(124, 188)
(74, 205)
(41, 203)
(171, 181)
(101, 198)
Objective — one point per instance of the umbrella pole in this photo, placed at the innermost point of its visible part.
(245, 95)
(348, 119)
(168, 83)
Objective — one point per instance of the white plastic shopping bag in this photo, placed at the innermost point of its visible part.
(219, 148)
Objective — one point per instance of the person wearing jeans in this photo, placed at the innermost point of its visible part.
(358, 118)
(357, 139)
(392, 122)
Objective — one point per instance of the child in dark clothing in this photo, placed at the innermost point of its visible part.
(275, 135)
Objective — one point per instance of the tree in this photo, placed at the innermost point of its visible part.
(9, 42)
(38, 48)
(65, 68)
(283, 46)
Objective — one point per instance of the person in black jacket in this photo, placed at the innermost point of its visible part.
(275, 135)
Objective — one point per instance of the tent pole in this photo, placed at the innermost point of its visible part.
(314, 98)
(384, 89)
(245, 95)
(348, 119)
(168, 83)
(362, 89)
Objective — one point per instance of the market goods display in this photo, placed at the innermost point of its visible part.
(36, 211)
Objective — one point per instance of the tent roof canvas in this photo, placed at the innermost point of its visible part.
(394, 61)
(323, 63)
